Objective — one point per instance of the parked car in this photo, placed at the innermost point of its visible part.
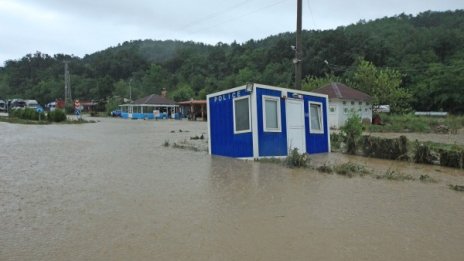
(33, 104)
(116, 113)
(51, 106)
(3, 105)
(17, 104)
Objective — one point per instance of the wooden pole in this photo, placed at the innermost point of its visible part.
(298, 51)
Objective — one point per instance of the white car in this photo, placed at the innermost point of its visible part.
(2, 105)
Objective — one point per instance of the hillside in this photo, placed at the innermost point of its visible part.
(427, 50)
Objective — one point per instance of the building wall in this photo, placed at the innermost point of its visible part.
(316, 142)
(271, 143)
(344, 108)
(222, 138)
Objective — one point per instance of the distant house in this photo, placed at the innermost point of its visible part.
(343, 101)
(150, 107)
(193, 109)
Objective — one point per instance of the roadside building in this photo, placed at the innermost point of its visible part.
(150, 107)
(193, 109)
(258, 121)
(344, 101)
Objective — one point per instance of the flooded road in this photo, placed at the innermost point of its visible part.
(112, 191)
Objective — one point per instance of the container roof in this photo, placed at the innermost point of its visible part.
(337, 90)
(155, 100)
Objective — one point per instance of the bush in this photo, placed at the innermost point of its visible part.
(451, 159)
(27, 114)
(422, 154)
(352, 131)
(56, 116)
(350, 169)
(395, 149)
(394, 175)
(297, 160)
(336, 140)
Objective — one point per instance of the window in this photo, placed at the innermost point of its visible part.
(271, 111)
(360, 103)
(332, 108)
(352, 102)
(345, 110)
(316, 120)
(242, 119)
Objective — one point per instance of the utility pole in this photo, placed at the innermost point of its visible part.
(67, 85)
(130, 89)
(298, 51)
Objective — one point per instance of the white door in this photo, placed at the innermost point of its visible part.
(296, 125)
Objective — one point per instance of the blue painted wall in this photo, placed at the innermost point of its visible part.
(148, 116)
(316, 142)
(223, 140)
(271, 143)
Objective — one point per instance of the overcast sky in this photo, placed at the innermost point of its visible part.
(82, 27)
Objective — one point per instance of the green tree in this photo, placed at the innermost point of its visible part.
(183, 92)
(382, 84)
(312, 82)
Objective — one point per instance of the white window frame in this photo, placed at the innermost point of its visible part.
(311, 130)
(279, 120)
(249, 114)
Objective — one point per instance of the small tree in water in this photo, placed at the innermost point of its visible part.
(352, 131)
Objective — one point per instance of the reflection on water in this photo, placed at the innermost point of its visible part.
(111, 191)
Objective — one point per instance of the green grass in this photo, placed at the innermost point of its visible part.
(412, 123)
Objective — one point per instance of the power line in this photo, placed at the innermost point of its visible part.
(217, 13)
(311, 13)
(241, 16)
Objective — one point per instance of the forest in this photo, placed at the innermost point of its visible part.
(409, 62)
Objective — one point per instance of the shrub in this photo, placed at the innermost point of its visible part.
(325, 169)
(451, 158)
(394, 175)
(422, 154)
(456, 187)
(427, 179)
(350, 169)
(297, 160)
(352, 131)
(395, 149)
(336, 140)
(56, 116)
(27, 114)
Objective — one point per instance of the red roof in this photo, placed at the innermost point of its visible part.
(340, 91)
(155, 100)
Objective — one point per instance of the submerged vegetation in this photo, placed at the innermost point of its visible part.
(296, 159)
(459, 188)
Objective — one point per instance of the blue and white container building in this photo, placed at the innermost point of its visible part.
(260, 121)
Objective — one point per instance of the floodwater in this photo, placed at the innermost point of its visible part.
(112, 191)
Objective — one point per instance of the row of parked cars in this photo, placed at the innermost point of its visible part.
(6, 105)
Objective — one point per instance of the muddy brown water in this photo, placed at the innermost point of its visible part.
(111, 191)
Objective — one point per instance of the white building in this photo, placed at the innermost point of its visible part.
(343, 101)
